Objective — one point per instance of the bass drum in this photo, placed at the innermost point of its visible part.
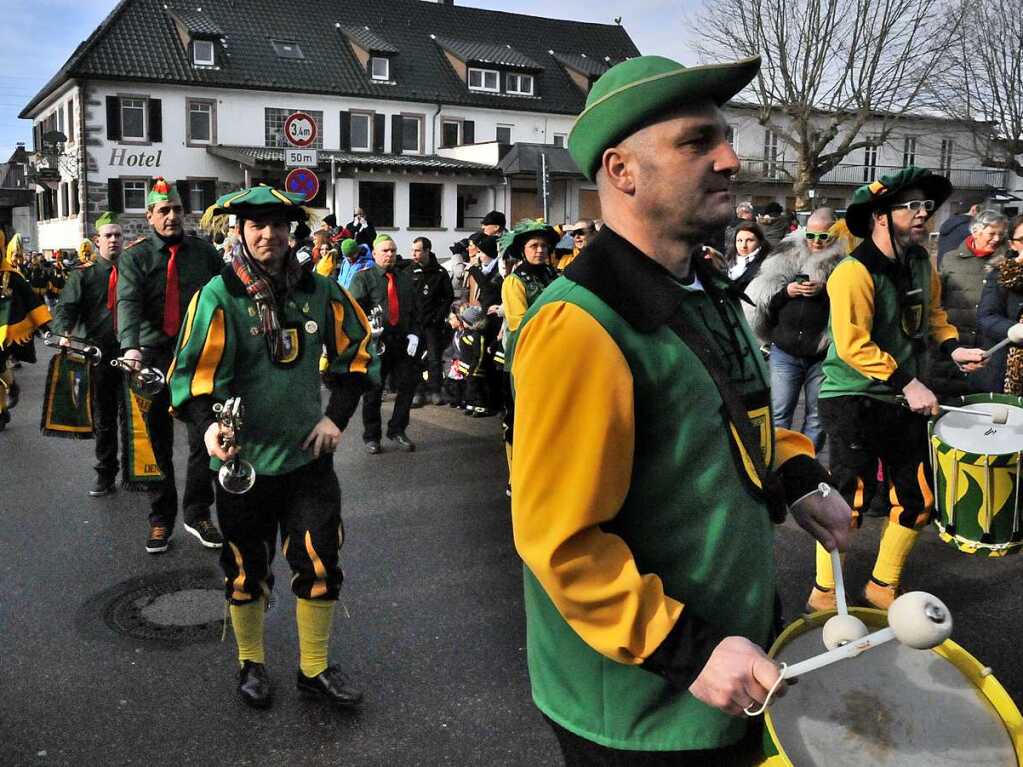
(892, 706)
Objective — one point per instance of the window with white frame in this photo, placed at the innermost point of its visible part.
(947, 150)
(201, 119)
(411, 134)
(70, 119)
(380, 68)
(519, 84)
(484, 80)
(870, 152)
(908, 151)
(134, 195)
(60, 120)
(504, 134)
(730, 136)
(559, 139)
(362, 132)
(772, 154)
(196, 196)
(451, 133)
(202, 53)
(133, 119)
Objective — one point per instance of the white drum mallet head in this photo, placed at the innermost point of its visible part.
(1013, 336)
(920, 620)
(842, 628)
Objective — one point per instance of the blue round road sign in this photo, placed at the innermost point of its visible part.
(304, 182)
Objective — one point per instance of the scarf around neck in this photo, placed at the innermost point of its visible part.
(268, 291)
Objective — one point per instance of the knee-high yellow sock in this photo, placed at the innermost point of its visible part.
(314, 617)
(825, 573)
(896, 543)
(247, 622)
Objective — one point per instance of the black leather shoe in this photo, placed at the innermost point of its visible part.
(103, 486)
(373, 446)
(332, 686)
(404, 443)
(418, 400)
(254, 685)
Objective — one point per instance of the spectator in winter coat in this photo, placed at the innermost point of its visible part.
(955, 229)
(434, 295)
(746, 252)
(1001, 307)
(791, 314)
(361, 229)
(774, 222)
(354, 259)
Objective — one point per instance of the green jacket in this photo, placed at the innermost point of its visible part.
(369, 288)
(83, 301)
(221, 354)
(142, 286)
(644, 540)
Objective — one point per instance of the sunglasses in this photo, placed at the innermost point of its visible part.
(580, 232)
(819, 236)
(915, 206)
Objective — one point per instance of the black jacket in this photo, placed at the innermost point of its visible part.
(1000, 308)
(489, 285)
(799, 322)
(364, 234)
(434, 292)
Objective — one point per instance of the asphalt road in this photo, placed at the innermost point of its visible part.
(432, 624)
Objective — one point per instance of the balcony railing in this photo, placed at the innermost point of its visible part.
(783, 172)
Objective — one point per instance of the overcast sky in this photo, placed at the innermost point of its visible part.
(39, 35)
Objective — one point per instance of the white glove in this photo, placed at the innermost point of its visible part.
(413, 344)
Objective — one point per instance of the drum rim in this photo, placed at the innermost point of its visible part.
(975, 672)
(966, 400)
(970, 546)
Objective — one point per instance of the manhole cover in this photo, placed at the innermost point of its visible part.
(180, 607)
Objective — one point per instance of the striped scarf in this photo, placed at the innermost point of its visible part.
(259, 286)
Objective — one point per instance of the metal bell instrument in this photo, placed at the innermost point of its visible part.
(376, 326)
(76, 345)
(236, 475)
(145, 382)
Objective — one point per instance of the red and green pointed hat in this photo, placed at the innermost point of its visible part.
(161, 190)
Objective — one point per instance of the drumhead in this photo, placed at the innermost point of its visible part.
(892, 706)
(976, 434)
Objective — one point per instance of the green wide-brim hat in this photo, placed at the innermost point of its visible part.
(512, 242)
(259, 201)
(878, 195)
(631, 94)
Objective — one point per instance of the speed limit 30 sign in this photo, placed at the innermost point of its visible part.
(300, 129)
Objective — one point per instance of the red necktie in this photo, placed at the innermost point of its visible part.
(392, 300)
(172, 298)
(112, 294)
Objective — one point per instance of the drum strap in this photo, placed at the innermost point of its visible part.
(738, 416)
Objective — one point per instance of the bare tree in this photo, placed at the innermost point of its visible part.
(984, 83)
(830, 68)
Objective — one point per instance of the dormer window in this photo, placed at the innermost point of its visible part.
(202, 53)
(379, 68)
(484, 80)
(519, 84)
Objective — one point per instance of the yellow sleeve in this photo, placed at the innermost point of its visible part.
(788, 444)
(941, 329)
(513, 299)
(851, 292)
(326, 264)
(574, 400)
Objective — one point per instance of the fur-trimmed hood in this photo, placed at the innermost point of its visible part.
(792, 256)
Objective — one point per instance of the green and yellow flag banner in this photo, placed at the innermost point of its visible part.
(138, 463)
(67, 401)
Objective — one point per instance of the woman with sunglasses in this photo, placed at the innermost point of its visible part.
(1001, 306)
(963, 274)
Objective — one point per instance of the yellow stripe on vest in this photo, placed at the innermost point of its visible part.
(209, 359)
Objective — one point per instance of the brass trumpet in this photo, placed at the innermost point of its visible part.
(74, 345)
(236, 475)
(145, 382)
(376, 326)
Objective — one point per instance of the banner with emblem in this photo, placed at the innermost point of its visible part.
(138, 462)
(67, 400)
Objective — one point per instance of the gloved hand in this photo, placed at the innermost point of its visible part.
(413, 344)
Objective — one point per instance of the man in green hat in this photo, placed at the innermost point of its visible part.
(157, 277)
(885, 306)
(88, 300)
(647, 476)
(390, 292)
(256, 332)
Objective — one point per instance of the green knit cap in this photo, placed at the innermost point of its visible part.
(162, 191)
(514, 240)
(382, 238)
(349, 246)
(106, 218)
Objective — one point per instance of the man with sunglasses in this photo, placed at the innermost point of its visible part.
(885, 305)
(791, 314)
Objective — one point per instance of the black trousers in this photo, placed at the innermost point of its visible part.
(303, 507)
(107, 404)
(579, 752)
(863, 431)
(163, 503)
(396, 364)
(436, 339)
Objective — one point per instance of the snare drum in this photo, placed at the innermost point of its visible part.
(976, 467)
(892, 706)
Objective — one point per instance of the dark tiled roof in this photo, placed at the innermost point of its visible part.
(138, 41)
(487, 53)
(196, 22)
(258, 155)
(582, 63)
(366, 38)
(524, 159)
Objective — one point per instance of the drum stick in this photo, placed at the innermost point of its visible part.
(1014, 336)
(998, 414)
(836, 567)
(844, 652)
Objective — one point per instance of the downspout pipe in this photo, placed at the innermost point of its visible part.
(433, 122)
